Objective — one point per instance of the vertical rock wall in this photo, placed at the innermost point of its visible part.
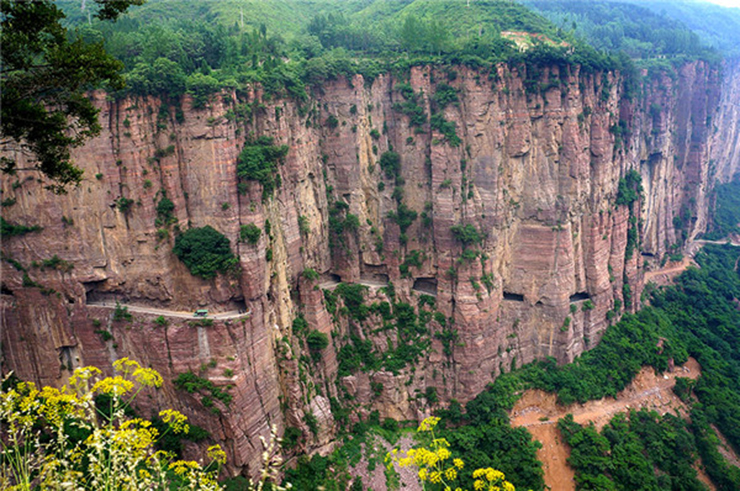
(537, 174)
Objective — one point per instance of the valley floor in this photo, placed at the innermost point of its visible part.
(539, 412)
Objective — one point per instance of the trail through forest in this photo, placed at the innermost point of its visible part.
(539, 412)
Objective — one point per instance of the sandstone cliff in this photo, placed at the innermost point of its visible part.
(537, 174)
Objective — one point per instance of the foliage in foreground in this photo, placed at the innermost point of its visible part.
(438, 469)
(57, 438)
(86, 436)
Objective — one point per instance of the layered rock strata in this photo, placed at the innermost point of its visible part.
(536, 173)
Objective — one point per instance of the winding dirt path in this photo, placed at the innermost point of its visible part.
(539, 412)
(665, 276)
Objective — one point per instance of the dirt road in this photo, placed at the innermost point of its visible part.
(235, 314)
(665, 276)
(539, 412)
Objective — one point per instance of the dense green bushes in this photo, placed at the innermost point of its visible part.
(726, 216)
(205, 252)
(317, 341)
(165, 212)
(193, 384)
(258, 161)
(627, 27)
(639, 451)
(390, 162)
(250, 233)
(10, 229)
(467, 234)
(447, 128)
(629, 188)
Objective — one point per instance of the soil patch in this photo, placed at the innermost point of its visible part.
(539, 412)
(664, 276)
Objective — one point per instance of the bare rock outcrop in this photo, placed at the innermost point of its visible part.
(537, 174)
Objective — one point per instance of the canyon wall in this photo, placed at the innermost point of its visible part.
(556, 249)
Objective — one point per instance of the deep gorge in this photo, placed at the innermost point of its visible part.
(558, 241)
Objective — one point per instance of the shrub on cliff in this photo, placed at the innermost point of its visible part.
(8, 229)
(250, 233)
(317, 341)
(205, 251)
(630, 188)
(390, 162)
(467, 234)
(258, 161)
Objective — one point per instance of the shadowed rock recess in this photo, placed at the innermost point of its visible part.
(523, 239)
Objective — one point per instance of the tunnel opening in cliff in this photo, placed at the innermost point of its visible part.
(513, 297)
(375, 273)
(239, 305)
(426, 285)
(96, 292)
(578, 296)
(4, 290)
(330, 278)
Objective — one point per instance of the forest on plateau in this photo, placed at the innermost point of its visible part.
(339, 244)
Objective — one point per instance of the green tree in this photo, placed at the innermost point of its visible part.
(205, 251)
(43, 75)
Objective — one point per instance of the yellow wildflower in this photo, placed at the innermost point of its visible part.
(428, 424)
(147, 377)
(458, 463)
(216, 453)
(435, 477)
(181, 467)
(176, 420)
(116, 386)
(81, 376)
(443, 454)
(125, 365)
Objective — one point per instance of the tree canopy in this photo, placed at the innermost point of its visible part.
(205, 251)
(44, 71)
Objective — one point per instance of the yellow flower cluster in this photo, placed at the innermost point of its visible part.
(428, 424)
(119, 451)
(433, 463)
(489, 479)
(114, 386)
(216, 454)
(435, 470)
(176, 420)
(147, 377)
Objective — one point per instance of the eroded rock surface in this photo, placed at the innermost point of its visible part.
(537, 173)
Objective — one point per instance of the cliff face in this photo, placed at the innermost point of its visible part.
(725, 126)
(537, 174)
